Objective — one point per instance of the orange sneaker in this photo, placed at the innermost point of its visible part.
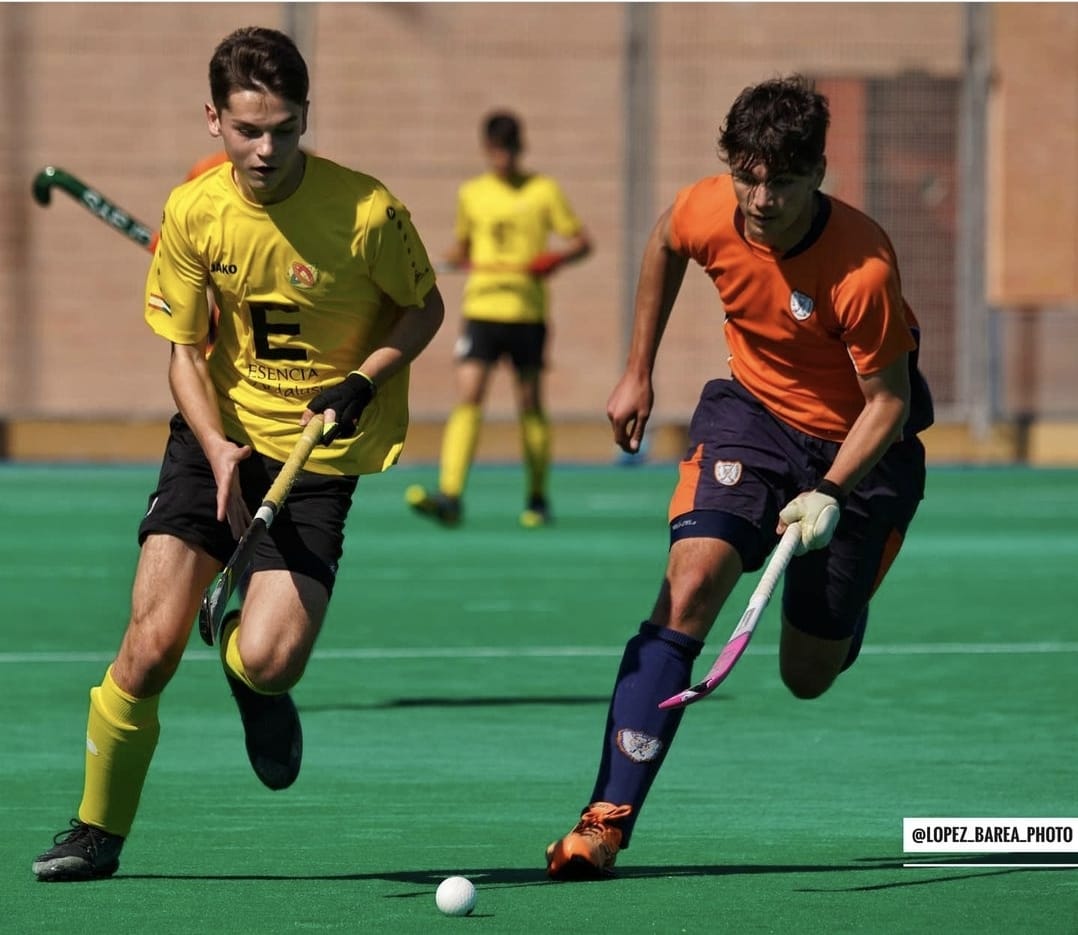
(588, 851)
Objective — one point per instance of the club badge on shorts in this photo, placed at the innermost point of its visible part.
(728, 473)
(801, 305)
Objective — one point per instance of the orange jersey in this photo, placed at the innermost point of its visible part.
(206, 163)
(800, 327)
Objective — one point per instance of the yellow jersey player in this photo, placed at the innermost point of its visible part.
(504, 220)
(326, 295)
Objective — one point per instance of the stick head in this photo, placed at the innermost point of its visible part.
(43, 182)
(214, 603)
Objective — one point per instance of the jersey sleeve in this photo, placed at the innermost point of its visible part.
(562, 217)
(462, 226)
(176, 306)
(683, 226)
(395, 255)
(872, 312)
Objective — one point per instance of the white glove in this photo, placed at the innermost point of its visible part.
(818, 512)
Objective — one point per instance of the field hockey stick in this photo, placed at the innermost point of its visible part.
(739, 639)
(216, 597)
(93, 201)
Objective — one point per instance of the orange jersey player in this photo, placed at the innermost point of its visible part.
(817, 425)
(792, 361)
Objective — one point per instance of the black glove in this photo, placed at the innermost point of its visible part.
(348, 399)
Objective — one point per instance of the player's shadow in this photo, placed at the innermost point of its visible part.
(507, 878)
(448, 701)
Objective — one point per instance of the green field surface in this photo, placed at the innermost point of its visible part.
(453, 715)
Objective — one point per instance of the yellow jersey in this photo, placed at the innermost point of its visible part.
(307, 288)
(507, 227)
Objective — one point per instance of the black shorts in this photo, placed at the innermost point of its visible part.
(743, 466)
(307, 535)
(523, 343)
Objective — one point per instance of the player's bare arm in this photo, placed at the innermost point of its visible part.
(193, 391)
(458, 256)
(409, 336)
(576, 248)
(887, 399)
(662, 271)
(412, 333)
(877, 427)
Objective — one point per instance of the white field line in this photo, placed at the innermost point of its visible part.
(558, 652)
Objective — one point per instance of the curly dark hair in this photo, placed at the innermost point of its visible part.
(781, 124)
(258, 59)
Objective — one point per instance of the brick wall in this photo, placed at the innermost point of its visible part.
(114, 93)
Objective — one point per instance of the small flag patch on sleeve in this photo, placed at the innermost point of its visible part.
(158, 302)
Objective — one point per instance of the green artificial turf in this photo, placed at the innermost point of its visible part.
(453, 714)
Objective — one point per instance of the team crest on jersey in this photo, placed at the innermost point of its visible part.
(639, 747)
(302, 276)
(728, 473)
(801, 305)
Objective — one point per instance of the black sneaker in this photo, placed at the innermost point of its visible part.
(81, 853)
(271, 730)
(440, 507)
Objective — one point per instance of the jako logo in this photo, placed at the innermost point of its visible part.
(219, 267)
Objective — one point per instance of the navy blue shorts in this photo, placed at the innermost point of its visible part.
(307, 535)
(743, 465)
(523, 343)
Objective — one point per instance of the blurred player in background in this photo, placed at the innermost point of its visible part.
(318, 315)
(504, 220)
(817, 425)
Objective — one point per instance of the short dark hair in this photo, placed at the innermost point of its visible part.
(781, 124)
(258, 59)
(502, 130)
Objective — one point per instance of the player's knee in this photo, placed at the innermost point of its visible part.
(149, 660)
(274, 660)
(273, 673)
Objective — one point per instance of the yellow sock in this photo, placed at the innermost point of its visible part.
(121, 736)
(535, 438)
(458, 448)
(230, 654)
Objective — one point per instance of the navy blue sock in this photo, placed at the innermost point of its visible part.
(657, 664)
(858, 639)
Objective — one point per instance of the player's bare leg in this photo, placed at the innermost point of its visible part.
(265, 652)
(808, 664)
(122, 727)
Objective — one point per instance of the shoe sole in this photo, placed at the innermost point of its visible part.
(61, 870)
(577, 868)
